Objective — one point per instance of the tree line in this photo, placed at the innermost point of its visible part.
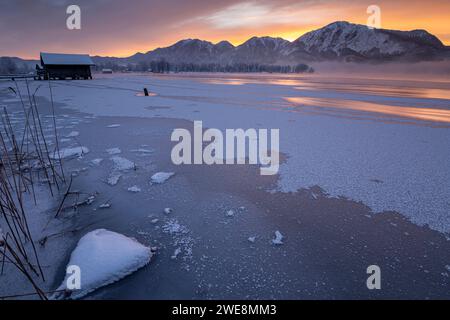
(162, 66)
(9, 66)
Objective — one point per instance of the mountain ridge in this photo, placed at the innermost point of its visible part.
(337, 41)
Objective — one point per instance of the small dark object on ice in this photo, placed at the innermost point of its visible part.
(146, 92)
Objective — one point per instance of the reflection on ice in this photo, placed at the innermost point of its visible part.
(424, 114)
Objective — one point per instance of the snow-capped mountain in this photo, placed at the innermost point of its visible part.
(343, 40)
(261, 50)
(337, 41)
(188, 51)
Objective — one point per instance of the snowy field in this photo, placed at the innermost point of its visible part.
(364, 180)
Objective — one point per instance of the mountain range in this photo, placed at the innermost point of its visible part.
(338, 41)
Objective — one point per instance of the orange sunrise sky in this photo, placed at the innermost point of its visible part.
(122, 28)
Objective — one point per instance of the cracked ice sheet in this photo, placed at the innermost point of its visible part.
(341, 155)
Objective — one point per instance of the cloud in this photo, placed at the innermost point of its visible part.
(254, 14)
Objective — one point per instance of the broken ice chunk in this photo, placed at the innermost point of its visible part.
(122, 164)
(103, 257)
(96, 161)
(278, 238)
(251, 239)
(113, 125)
(176, 253)
(161, 177)
(73, 134)
(134, 189)
(168, 210)
(230, 213)
(141, 150)
(113, 179)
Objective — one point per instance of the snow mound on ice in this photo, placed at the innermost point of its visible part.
(161, 177)
(69, 153)
(104, 257)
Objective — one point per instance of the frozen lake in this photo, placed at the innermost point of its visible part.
(364, 180)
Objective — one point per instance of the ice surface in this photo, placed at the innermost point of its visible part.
(113, 126)
(161, 177)
(104, 257)
(97, 161)
(113, 151)
(69, 153)
(342, 152)
(73, 134)
(142, 150)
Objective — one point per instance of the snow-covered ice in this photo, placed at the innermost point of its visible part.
(161, 177)
(343, 151)
(69, 153)
(104, 257)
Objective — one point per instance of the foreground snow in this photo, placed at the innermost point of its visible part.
(104, 257)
